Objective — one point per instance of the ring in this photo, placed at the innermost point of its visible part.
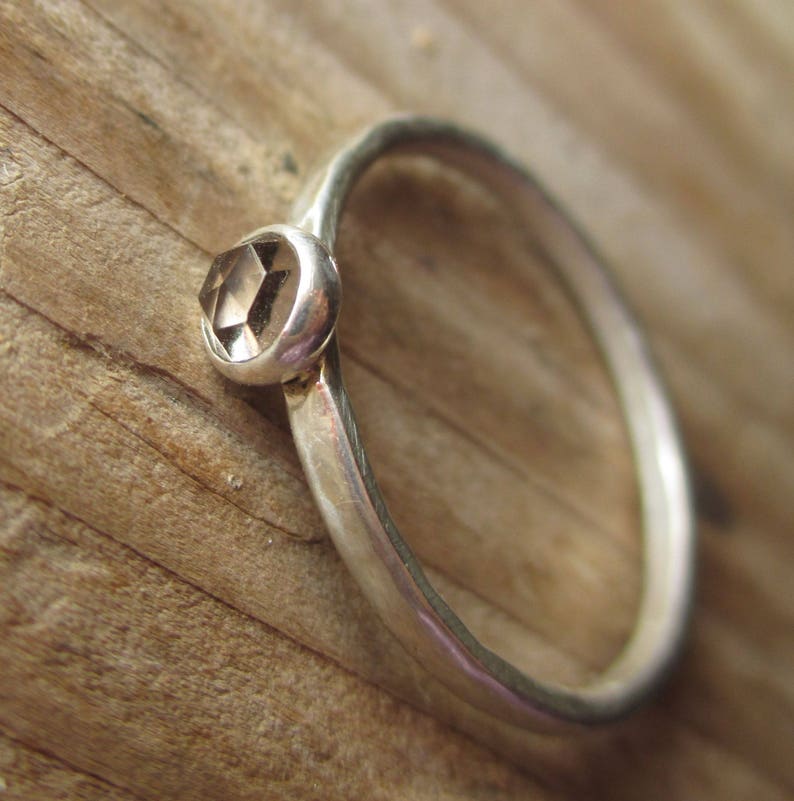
(270, 307)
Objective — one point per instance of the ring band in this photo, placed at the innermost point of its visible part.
(239, 298)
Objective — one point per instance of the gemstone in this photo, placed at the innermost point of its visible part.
(248, 295)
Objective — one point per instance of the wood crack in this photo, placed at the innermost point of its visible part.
(13, 736)
(292, 535)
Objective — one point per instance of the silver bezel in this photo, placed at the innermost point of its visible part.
(310, 323)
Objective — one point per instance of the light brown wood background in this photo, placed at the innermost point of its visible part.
(175, 624)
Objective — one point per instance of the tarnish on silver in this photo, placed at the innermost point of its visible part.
(329, 446)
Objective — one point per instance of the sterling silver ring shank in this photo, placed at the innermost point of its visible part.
(303, 355)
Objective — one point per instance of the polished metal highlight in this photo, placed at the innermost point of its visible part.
(305, 356)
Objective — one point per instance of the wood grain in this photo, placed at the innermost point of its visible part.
(175, 622)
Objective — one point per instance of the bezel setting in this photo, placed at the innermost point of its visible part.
(291, 350)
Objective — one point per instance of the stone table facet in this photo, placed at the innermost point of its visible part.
(248, 295)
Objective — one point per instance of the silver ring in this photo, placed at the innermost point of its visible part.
(270, 307)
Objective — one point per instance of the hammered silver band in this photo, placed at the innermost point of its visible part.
(343, 485)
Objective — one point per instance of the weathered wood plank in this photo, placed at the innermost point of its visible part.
(116, 636)
(161, 670)
(712, 162)
(113, 425)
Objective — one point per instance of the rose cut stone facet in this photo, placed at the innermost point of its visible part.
(248, 296)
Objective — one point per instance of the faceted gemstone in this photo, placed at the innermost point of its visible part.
(248, 295)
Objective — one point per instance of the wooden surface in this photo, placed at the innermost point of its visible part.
(175, 624)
